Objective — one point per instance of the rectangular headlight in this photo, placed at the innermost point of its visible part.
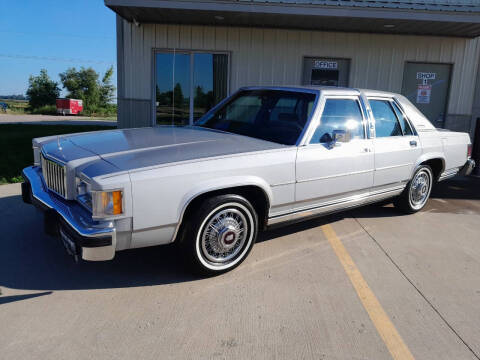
(107, 203)
(36, 156)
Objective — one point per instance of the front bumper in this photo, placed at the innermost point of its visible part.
(467, 168)
(82, 236)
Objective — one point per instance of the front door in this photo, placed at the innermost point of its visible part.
(330, 173)
(396, 144)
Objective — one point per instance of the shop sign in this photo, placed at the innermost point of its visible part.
(325, 65)
(424, 93)
(426, 76)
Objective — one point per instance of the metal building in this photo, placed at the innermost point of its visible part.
(177, 58)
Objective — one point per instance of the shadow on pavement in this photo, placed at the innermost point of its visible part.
(31, 260)
(13, 298)
(466, 188)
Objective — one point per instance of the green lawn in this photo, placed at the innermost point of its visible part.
(16, 145)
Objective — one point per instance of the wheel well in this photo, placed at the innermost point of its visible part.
(254, 194)
(436, 165)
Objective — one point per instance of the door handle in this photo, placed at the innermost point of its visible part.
(413, 143)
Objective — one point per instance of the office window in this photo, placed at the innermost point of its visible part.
(188, 84)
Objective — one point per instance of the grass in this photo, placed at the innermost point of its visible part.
(15, 106)
(21, 107)
(16, 145)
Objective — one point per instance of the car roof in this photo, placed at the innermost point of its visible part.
(326, 90)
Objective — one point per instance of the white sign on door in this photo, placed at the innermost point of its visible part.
(424, 93)
(326, 65)
(426, 76)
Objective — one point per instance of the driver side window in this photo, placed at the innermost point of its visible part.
(339, 114)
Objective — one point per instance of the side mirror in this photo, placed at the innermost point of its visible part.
(340, 136)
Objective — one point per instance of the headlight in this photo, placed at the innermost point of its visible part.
(107, 203)
(36, 156)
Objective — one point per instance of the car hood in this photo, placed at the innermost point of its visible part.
(130, 149)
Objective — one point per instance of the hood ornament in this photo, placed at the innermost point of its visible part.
(58, 143)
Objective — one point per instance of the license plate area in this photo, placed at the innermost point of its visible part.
(68, 243)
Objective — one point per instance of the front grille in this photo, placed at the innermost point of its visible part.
(54, 176)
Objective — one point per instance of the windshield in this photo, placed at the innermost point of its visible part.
(272, 115)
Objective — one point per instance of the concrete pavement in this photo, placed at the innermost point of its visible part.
(290, 299)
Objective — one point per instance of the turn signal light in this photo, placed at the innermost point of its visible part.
(107, 203)
(469, 151)
(117, 203)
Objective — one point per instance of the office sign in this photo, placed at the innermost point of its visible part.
(325, 65)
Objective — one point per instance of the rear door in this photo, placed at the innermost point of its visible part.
(396, 144)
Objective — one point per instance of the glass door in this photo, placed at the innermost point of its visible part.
(188, 84)
(173, 89)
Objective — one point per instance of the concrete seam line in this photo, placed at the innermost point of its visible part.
(385, 328)
(418, 290)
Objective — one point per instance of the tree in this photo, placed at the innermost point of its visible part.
(107, 90)
(84, 84)
(42, 90)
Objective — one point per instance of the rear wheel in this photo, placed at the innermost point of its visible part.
(417, 191)
(220, 235)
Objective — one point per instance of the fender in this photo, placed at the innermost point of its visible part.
(219, 184)
(428, 156)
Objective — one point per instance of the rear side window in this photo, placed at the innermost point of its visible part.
(386, 122)
(407, 130)
(339, 114)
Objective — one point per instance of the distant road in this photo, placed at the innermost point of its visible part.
(55, 120)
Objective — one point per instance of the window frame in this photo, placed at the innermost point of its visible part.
(391, 101)
(190, 52)
(316, 122)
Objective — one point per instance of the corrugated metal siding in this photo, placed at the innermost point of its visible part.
(275, 56)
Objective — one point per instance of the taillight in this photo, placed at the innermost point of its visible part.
(469, 150)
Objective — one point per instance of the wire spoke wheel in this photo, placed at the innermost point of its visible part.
(225, 236)
(420, 188)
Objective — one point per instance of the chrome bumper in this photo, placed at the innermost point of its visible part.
(92, 240)
(467, 168)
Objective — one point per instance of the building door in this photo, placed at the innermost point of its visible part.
(188, 84)
(325, 71)
(427, 86)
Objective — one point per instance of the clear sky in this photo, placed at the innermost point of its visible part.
(55, 35)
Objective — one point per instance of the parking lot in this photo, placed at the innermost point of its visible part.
(366, 284)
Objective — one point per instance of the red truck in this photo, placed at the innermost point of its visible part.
(69, 106)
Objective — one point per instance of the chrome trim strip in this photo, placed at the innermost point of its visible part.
(281, 184)
(337, 205)
(392, 167)
(335, 176)
(155, 228)
(448, 174)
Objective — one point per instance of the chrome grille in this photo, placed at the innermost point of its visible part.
(54, 176)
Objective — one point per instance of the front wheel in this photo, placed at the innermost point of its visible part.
(220, 235)
(417, 191)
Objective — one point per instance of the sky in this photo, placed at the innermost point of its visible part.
(53, 35)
